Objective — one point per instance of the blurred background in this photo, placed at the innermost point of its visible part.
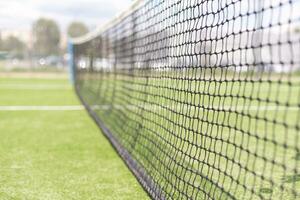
(34, 33)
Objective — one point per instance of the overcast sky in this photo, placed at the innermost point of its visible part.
(20, 14)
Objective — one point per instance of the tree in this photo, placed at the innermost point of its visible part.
(1, 42)
(14, 46)
(297, 30)
(46, 37)
(77, 29)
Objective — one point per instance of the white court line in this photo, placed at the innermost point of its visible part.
(205, 107)
(147, 107)
(34, 87)
(41, 108)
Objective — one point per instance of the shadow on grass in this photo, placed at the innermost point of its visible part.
(291, 178)
(297, 156)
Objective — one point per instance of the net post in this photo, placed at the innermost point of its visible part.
(71, 63)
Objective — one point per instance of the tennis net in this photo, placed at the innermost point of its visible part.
(200, 98)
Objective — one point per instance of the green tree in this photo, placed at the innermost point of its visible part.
(46, 37)
(297, 30)
(14, 46)
(1, 42)
(77, 29)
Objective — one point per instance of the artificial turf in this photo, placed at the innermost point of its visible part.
(56, 154)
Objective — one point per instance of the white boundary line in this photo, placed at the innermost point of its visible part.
(205, 108)
(149, 107)
(41, 108)
(34, 87)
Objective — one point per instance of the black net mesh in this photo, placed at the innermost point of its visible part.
(201, 98)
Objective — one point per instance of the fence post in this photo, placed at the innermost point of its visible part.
(71, 63)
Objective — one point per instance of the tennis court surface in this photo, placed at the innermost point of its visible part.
(200, 97)
(51, 149)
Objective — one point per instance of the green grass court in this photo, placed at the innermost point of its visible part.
(56, 154)
(61, 154)
(241, 144)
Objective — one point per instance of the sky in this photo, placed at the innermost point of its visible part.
(18, 15)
